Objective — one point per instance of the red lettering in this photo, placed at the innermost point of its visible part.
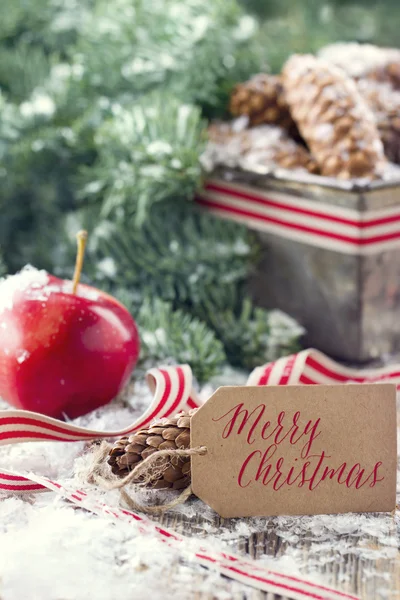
(276, 475)
(279, 475)
(344, 465)
(265, 467)
(332, 472)
(281, 416)
(312, 485)
(239, 420)
(359, 475)
(312, 428)
(374, 475)
(244, 467)
(295, 429)
(266, 426)
(237, 412)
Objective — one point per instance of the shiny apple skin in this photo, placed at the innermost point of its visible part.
(65, 355)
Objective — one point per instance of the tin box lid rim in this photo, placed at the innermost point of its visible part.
(353, 185)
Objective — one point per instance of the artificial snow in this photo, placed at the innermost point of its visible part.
(107, 267)
(57, 551)
(27, 278)
(358, 59)
(22, 355)
(34, 284)
(40, 104)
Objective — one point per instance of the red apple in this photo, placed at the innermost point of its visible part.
(62, 354)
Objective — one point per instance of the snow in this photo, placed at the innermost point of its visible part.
(39, 105)
(107, 266)
(153, 339)
(358, 59)
(88, 557)
(28, 278)
(283, 330)
(34, 284)
(234, 145)
(22, 355)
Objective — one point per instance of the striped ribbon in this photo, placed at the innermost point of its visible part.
(173, 392)
(235, 567)
(313, 223)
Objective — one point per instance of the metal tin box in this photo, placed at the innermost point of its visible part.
(330, 254)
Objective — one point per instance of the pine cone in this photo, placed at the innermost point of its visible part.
(267, 145)
(388, 73)
(293, 156)
(262, 100)
(172, 433)
(385, 105)
(333, 118)
(362, 61)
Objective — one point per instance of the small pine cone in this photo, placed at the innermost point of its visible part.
(385, 105)
(333, 118)
(362, 61)
(262, 100)
(388, 73)
(294, 156)
(267, 145)
(171, 433)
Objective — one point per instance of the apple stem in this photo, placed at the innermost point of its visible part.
(81, 238)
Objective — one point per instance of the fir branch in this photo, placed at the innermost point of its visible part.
(191, 48)
(170, 336)
(198, 264)
(22, 69)
(147, 153)
(52, 25)
(251, 335)
(178, 255)
(3, 267)
(23, 17)
(33, 195)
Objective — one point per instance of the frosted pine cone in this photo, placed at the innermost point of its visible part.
(365, 61)
(172, 433)
(267, 145)
(333, 118)
(385, 104)
(262, 100)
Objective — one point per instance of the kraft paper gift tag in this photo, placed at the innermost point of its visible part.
(294, 450)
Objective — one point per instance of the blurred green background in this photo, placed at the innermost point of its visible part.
(289, 26)
(104, 106)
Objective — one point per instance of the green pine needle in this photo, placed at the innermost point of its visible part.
(3, 267)
(251, 335)
(148, 153)
(170, 336)
(180, 254)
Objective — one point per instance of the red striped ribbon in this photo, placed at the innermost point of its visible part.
(300, 219)
(235, 567)
(173, 392)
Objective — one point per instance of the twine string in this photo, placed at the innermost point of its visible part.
(145, 473)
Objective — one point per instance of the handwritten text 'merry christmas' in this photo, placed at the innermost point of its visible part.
(267, 440)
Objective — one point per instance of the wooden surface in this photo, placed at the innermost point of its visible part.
(357, 570)
(365, 561)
